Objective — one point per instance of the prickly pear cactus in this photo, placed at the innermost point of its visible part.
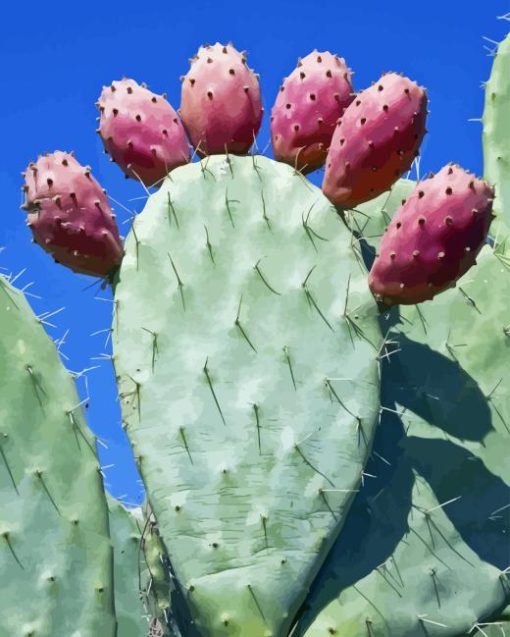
(249, 385)
(55, 553)
(252, 372)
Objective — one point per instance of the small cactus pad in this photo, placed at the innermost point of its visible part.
(157, 585)
(141, 131)
(375, 141)
(496, 137)
(221, 105)
(308, 105)
(126, 529)
(249, 384)
(55, 551)
(425, 547)
(69, 215)
(433, 239)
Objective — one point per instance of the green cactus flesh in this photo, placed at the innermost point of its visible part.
(157, 586)
(499, 627)
(425, 548)
(126, 527)
(246, 347)
(369, 220)
(55, 550)
(496, 137)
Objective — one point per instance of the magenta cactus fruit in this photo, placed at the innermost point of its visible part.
(434, 237)
(308, 105)
(221, 105)
(69, 215)
(375, 141)
(141, 131)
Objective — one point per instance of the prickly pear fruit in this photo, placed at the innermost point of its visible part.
(141, 131)
(375, 141)
(308, 105)
(434, 237)
(221, 104)
(69, 214)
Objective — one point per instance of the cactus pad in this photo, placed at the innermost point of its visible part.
(434, 552)
(496, 139)
(249, 383)
(55, 551)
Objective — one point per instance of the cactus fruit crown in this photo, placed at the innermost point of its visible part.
(316, 461)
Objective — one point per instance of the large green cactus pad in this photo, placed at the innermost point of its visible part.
(55, 551)
(496, 137)
(245, 344)
(432, 556)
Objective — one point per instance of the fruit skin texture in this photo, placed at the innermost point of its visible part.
(141, 131)
(221, 105)
(318, 91)
(434, 237)
(375, 141)
(69, 215)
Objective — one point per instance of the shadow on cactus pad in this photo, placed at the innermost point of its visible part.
(425, 548)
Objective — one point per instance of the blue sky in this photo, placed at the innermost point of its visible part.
(57, 55)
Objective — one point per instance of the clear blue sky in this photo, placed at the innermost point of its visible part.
(57, 55)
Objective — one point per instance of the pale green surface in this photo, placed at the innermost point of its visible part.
(496, 138)
(126, 526)
(246, 524)
(55, 551)
(448, 378)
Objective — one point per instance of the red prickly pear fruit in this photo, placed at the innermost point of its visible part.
(141, 131)
(69, 215)
(308, 105)
(375, 141)
(433, 239)
(220, 104)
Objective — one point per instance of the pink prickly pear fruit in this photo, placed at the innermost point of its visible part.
(69, 215)
(220, 104)
(141, 131)
(375, 141)
(308, 105)
(433, 239)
